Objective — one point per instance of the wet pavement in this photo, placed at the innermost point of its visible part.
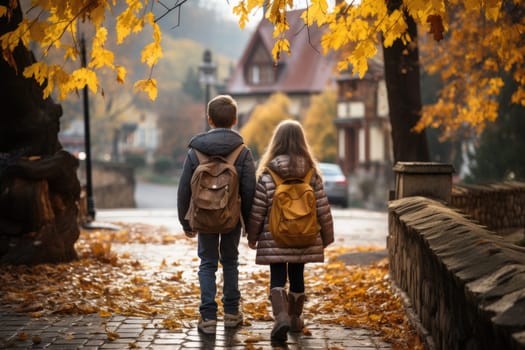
(19, 331)
(91, 332)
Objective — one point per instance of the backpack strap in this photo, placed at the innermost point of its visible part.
(201, 157)
(276, 178)
(232, 157)
(308, 177)
(279, 180)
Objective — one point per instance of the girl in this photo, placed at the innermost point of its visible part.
(289, 155)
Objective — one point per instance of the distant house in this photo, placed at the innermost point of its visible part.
(362, 120)
(363, 134)
(140, 138)
(305, 73)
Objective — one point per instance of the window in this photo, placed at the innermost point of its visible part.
(261, 74)
(256, 75)
(352, 109)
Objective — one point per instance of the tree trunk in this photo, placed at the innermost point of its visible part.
(404, 95)
(39, 188)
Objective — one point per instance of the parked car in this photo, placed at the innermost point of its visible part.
(335, 184)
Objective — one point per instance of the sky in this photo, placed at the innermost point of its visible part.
(225, 8)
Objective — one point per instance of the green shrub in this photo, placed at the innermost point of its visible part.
(162, 165)
(135, 160)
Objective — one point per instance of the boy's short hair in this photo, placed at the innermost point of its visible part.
(222, 110)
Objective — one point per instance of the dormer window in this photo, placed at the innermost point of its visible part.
(259, 74)
(256, 75)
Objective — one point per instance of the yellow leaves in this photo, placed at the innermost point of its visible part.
(82, 77)
(317, 13)
(101, 250)
(112, 336)
(104, 314)
(281, 45)
(55, 28)
(149, 86)
(129, 20)
(393, 27)
(152, 52)
(253, 339)
(100, 56)
(172, 323)
(121, 74)
(21, 34)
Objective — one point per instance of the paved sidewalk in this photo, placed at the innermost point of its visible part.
(19, 331)
(91, 332)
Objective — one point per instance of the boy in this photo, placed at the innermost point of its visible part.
(214, 247)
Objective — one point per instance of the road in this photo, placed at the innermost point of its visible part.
(148, 196)
(156, 205)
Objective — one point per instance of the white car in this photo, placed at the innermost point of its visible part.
(335, 184)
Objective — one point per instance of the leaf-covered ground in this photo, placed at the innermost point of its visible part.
(144, 271)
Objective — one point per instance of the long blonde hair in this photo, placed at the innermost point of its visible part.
(288, 138)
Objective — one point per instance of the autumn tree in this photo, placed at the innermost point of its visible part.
(319, 126)
(480, 49)
(39, 188)
(263, 120)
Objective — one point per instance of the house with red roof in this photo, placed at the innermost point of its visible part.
(304, 73)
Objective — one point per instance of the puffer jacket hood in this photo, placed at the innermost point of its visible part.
(281, 165)
(220, 141)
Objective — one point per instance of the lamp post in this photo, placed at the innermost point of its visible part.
(87, 141)
(207, 70)
(91, 223)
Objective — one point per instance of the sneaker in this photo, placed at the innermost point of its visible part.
(207, 326)
(232, 321)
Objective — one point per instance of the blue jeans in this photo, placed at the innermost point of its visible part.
(212, 249)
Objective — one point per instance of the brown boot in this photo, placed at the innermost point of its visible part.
(280, 313)
(295, 309)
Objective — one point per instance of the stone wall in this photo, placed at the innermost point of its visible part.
(466, 285)
(113, 185)
(497, 206)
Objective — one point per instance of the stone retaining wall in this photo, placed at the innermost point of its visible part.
(497, 206)
(113, 184)
(466, 285)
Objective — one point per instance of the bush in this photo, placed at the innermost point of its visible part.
(135, 160)
(162, 165)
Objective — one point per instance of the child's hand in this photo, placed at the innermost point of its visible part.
(190, 234)
(252, 244)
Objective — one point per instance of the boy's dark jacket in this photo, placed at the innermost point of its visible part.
(217, 142)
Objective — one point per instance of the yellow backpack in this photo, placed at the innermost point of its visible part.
(293, 215)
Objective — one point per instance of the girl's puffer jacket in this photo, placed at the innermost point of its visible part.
(268, 252)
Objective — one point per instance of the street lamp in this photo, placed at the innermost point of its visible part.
(87, 140)
(91, 223)
(207, 70)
